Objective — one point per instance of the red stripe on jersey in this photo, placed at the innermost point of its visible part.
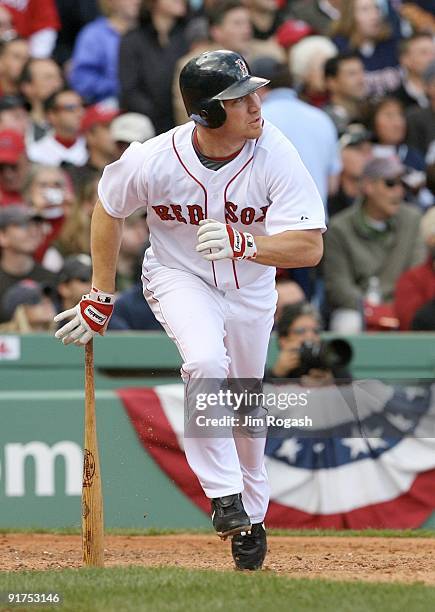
(236, 280)
(202, 187)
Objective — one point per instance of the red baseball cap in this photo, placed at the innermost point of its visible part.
(95, 115)
(12, 146)
(292, 31)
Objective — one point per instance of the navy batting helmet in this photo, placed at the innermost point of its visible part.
(211, 77)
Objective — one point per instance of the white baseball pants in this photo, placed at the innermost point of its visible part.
(219, 334)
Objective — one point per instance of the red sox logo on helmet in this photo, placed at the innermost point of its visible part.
(243, 67)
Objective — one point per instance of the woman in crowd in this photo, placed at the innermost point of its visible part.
(147, 61)
(363, 28)
(387, 121)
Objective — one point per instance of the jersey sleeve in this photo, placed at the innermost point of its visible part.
(295, 203)
(122, 188)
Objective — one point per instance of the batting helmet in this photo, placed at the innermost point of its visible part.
(211, 77)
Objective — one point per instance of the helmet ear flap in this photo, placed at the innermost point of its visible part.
(214, 113)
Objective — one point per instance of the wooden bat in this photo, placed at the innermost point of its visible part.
(92, 499)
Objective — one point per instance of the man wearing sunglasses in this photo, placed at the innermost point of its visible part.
(64, 144)
(378, 237)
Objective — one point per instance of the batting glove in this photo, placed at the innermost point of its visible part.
(90, 316)
(227, 242)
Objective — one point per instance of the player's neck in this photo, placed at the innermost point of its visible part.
(214, 144)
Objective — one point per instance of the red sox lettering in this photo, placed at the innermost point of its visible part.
(194, 213)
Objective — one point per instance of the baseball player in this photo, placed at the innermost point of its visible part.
(228, 199)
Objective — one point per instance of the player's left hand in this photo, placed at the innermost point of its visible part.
(225, 241)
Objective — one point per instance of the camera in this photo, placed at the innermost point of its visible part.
(325, 355)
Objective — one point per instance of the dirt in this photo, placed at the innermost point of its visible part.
(339, 558)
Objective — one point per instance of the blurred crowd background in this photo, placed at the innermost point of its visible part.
(352, 85)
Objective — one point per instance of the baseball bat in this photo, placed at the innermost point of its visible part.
(92, 499)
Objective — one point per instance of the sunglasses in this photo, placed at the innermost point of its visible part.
(392, 182)
(300, 331)
(69, 107)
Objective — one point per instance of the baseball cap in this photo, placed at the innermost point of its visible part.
(355, 134)
(429, 73)
(8, 102)
(27, 292)
(132, 127)
(384, 168)
(292, 31)
(267, 67)
(427, 224)
(15, 214)
(12, 146)
(97, 115)
(76, 267)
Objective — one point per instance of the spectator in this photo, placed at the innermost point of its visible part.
(356, 150)
(74, 280)
(416, 287)
(266, 17)
(7, 30)
(129, 128)
(14, 115)
(131, 309)
(319, 14)
(416, 53)
(387, 121)
(345, 83)
(13, 56)
(64, 111)
(307, 60)
(309, 129)
(378, 238)
(94, 65)
(424, 319)
(74, 15)
(100, 144)
(135, 235)
(362, 28)
(28, 308)
(148, 56)
(46, 191)
(421, 121)
(289, 292)
(75, 234)
(20, 236)
(39, 79)
(38, 21)
(14, 167)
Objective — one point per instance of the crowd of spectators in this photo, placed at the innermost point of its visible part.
(352, 85)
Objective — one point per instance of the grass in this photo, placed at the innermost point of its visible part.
(136, 589)
(309, 533)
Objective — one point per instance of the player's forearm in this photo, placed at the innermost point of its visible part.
(291, 249)
(106, 232)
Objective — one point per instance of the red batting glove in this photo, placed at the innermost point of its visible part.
(90, 316)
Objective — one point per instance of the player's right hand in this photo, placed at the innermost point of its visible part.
(89, 317)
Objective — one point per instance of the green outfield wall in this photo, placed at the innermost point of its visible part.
(41, 424)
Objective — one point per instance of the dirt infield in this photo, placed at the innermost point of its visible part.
(340, 558)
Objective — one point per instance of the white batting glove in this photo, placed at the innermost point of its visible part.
(89, 317)
(226, 242)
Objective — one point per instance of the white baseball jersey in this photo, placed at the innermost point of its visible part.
(265, 190)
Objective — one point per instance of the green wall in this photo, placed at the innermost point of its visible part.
(41, 411)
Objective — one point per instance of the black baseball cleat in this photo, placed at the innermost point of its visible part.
(229, 516)
(249, 549)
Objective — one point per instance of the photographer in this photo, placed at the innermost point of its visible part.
(303, 355)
